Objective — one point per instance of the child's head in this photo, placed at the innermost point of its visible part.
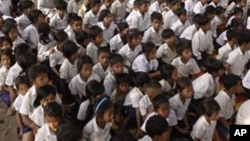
(232, 35)
(237, 24)
(22, 84)
(169, 37)
(210, 12)
(45, 95)
(61, 7)
(238, 12)
(185, 87)
(161, 105)
(21, 48)
(134, 37)
(242, 3)
(182, 14)
(123, 83)
(174, 5)
(157, 128)
(36, 16)
(210, 108)
(232, 83)
(6, 58)
(68, 132)
(26, 6)
(108, 3)
(214, 67)
(142, 6)
(53, 115)
(184, 50)
(38, 75)
(61, 37)
(82, 38)
(26, 60)
(122, 28)
(116, 63)
(75, 22)
(149, 49)
(10, 29)
(243, 40)
(95, 6)
(94, 90)
(70, 51)
(96, 35)
(106, 17)
(220, 12)
(85, 65)
(141, 80)
(204, 23)
(156, 20)
(44, 31)
(103, 55)
(104, 110)
(169, 72)
(153, 88)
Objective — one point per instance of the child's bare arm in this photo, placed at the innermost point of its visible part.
(228, 68)
(138, 118)
(18, 119)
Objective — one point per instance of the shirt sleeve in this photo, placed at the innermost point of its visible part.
(135, 23)
(195, 47)
(40, 135)
(109, 85)
(10, 79)
(195, 67)
(72, 88)
(199, 131)
(159, 51)
(231, 58)
(146, 36)
(143, 109)
(25, 107)
(41, 6)
(52, 60)
(82, 111)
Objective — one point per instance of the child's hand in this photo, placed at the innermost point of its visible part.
(51, 51)
(20, 134)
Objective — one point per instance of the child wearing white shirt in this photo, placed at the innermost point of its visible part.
(200, 7)
(46, 6)
(74, 6)
(91, 17)
(6, 56)
(120, 39)
(156, 6)
(6, 7)
(75, 25)
(106, 5)
(170, 17)
(189, 5)
(243, 114)
(238, 13)
(218, 21)
(182, 23)
(118, 9)
(84, 8)
(82, 40)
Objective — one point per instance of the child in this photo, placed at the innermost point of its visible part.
(154, 32)
(75, 25)
(106, 5)
(238, 13)
(122, 88)
(5, 43)
(226, 101)
(6, 7)
(166, 52)
(200, 7)
(204, 128)
(146, 62)
(157, 6)
(210, 13)
(189, 5)
(133, 97)
(22, 87)
(170, 17)
(118, 9)
(120, 39)
(53, 114)
(6, 58)
(99, 127)
(214, 3)
(68, 131)
(46, 6)
(185, 64)
(59, 20)
(93, 92)
(218, 22)
(74, 6)
(84, 8)
(85, 74)
(102, 68)
(96, 35)
(180, 103)
(45, 95)
(224, 51)
(182, 23)
(91, 17)
(82, 40)
(170, 76)
(239, 55)
(30, 33)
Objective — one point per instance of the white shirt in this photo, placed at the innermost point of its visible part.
(140, 22)
(77, 85)
(153, 36)
(108, 33)
(203, 130)
(165, 53)
(91, 132)
(202, 42)
(128, 54)
(166, 86)
(246, 80)
(223, 52)
(189, 5)
(18, 102)
(71, 34)
(45, 6)
(83, 110)
(73, 6)
(204, 86)
(13, 73)
(169, 18)
(243, 115)
(178, 27)
(223, 3)
(199, 8)
(184, 70)
(38, 116)
(3, 75)
(142, 64)
(189, 32)
(214, 23)
(43, 51)
(90, 18)
(145, 105)
(133, 98)
(56, 58)
(226, 104)
(222, 38)
(91, 51)
(130, 16)
(119, 10)
(59, 23)
(22, 22)
(109, 83)
(68, 70)
(178, 106)
(28, 101)
(30, 34)
(98, 69)
(237, 61)
(45, 134)
(116, 43)
(229, 21)
(155, 7)
(5, 7)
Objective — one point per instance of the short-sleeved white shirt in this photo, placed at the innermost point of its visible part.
(128, 54)
(169, 18)
(5, 7)
(166, 86)
(142, 64)
(68, 70)
(155, 7)
(246, 80)
(145, 105)
(45, 134)
(90, 18)
(98, 69)
(92, 52)
(56, 58)
(140, 22)
(189, 32)
(108, 33)
(73, 6)
(3, 75)
(116, 43)
(152, 36)
(38, 116)
(118, 9)
(13, 73)
(18, 102)
(224, 52)
(71, 34)
(30, 34)
(43, 50)
(133, 98)
(165, 53)
(243, 114)
(109, 83)
(83, 110)
(199, 8)
(22, 22)
(59, 23)
(222, 38)
(178, 27)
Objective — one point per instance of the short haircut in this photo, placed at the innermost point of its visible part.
(238, 10)
(84, 60)
(53, 109)
(236, 22)
(81, 36)
(156, 126)
(182, 46)
(8, 52)
(210, 10)
(174, 2)
(34, 14)
(140, 2)
(104, 13)
(148, 47)
(73, 17)
(213, 65)
(69, 48)
(231, 33)
(24, 4)
(243, 37)
(141, 79)
(167, 70)
(68, 132)
(35, 71)
(94, 88)
(5, 39)
(196, 17)
(159, 100)
(133, 33)
(103, 50)
(230, 80)
(121, 26)
(21, 48)
(95, 31)
(181, 11)
(93, 3)
(116, 58)
(61, 4)
(123, 135)
(156, 16)
(167, 33)
(203, 20)
(122, 78)
(44, 92)
(209, 106)
(26, 60)
(220, 10)
(21, 79)
(153, 84)
(61, 36)
(183, 82)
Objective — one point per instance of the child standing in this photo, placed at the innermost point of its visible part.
(75, 25)
(91, 17)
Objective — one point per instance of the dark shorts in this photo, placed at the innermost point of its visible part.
(222, 130)
(26, 129)
(5, 97)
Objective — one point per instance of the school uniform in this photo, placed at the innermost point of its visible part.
(223, 3)
(68, 70)
(142, 64)
(223, 52)
(233, 60)
(18, 40)
(133, 97)
(155, 7)
(145, 105)
(178, 27)
(59, 23)
(77, 85)
(165, 53)
(243, 114)
(116, 43)
(81, 12)
(130, 16)
(83, 110)
(74, 6)
(114, 97)
(71, 34)
(18, 102)
(189, 5)
(45, 134)
(199, 8)
(98, 69)
(203, 130)
(140, 21)
(128, 54)
(178, 106)
(212, 4)
(189, 32)
(118, 9)
(169, 18)
(229, 21)
(45, 6)
(166, 86)
(214, 23)
(91, 51)
(43, 51)
(103, 7)
(145, 138)
(108, 33)
(5, 7)
(184, 70)
(22, 22)
(3, 75)
(153, 36)
(90, 18)
(38, 116)
(13, 73)
(56, 58)
(221, 40)
(30, 34)
(93, 132)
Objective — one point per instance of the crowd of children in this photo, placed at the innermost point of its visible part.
(119, 70)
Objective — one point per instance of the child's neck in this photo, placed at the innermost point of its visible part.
(242, 49)
(141, 89)
(104, 67)
(183, 99)
(207, 118)
(84, 78)
(132, 47)
(106, 25)
(96, 44)
(204, 30)
(100, 123)
(71, 61)
(229, 93)
(168, 80)
(231, 44)
(35, 25)
(95, 13)
(183, 60)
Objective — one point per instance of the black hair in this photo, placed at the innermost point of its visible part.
(8, 52)
(61, 4)
(181, 11)
(210, 10)
(35, 70)
(81, 36)
(219, 10)
(102, 106)
(25, 4)
(21, 48)
(148, 47)
(213, 65)
(230, 80)
(203, 20)
(8, 25)
(231, 33)
(93, 3)
(122, 78)
(167, 33)
(159, 100)
(156, 16)
(69, 48)
(156, 126)
(5, 38)
(196, 17)
(95, 31)
(167, 70)
(209, 106)
(103, 50)
(236, 22)
(21, 79)
(104, 13)
(60, 36)
(153, 84)
(34, 14)
(141, 79)
(94, 88)
(182, 83)
(26, 60)
(237, 10)
(53, 109)
(73, 17)
(84, 60)
(121, 26)
(116, 58)
(182, 46)
(133, 33)
(174, 2)
(44, 92)
(140, 2)
(123, 135)
(44, 31)
(68, 132)
(243, 37)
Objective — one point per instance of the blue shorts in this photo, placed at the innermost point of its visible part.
(4, 96)
(222, 130)
(25, 129)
